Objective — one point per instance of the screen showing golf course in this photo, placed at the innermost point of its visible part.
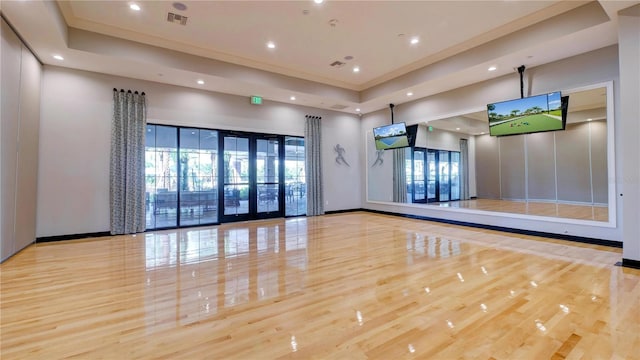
(528, 115)
(391, 136)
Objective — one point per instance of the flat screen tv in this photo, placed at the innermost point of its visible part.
(412, 133)
(547, 112)
(391, 136)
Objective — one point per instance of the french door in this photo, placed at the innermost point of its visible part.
(203, 176)
(181, 176)
(435, 175)
(252, 186)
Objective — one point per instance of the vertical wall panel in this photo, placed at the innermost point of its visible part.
(27, 169)
(512, 165)
(21, 75)
(487, 167)
(11, 53)
(572, 151)
(541, 163)
(599, 161)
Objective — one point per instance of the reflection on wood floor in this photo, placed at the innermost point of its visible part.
(568, 211)
(347, 286)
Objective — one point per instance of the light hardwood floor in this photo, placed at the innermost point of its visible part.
(551, 209)
(347, 286)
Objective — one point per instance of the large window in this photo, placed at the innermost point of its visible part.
(202, 176)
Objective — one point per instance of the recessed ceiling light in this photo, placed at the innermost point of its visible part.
(356, 69)
(179, 6)
(358, 109)
(482, 133)
(58, 57)
(201, 82)
(414, 40)
(409, 93)
(292, 98)
(135, 7)
(271, 45)
(318, 1)
(589, 119)
(457, 128)
(492, 68)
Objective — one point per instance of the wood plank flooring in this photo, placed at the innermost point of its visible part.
(551, 209)
(347, 286)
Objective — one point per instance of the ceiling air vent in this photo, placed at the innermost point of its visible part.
(177, 18)
(337, 64)
(339, 107)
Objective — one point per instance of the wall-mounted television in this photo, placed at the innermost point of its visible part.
(546, 112)
(412, 133)
(391, 136)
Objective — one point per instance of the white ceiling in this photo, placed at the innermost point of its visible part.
(224, 43)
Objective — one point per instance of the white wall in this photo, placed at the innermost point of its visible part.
(73, 188)
(591, 68)
(379, 166)
(340, 180)
(629, 134)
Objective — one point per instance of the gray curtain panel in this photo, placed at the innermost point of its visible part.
(313, 166)
(127, 188)
(464, 170)
(399, 176)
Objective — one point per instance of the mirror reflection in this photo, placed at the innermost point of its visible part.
(455, 163)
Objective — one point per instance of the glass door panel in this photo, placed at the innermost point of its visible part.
(209, 175)
(431, 176)
(236, 175)
(267, 175)
(294, 177)
(198, 176)
(455, 175)
(408, 165)
(419, 175)
(161, 176)
(443, 175)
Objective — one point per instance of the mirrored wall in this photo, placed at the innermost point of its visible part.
(565, 174)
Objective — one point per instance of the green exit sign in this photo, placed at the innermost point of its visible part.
(256, 100)
(430, 128)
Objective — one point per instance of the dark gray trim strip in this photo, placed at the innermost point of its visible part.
(342, 211)
(72, 237)
(635, 264)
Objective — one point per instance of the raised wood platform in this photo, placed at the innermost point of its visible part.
(344, 286)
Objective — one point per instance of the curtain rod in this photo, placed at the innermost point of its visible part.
(128, 91)
(313, 117)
